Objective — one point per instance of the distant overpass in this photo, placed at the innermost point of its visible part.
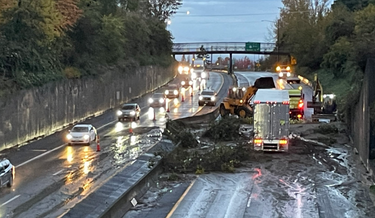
(228, 48)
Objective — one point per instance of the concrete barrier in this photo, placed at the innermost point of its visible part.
(41, 111)
(113, 199)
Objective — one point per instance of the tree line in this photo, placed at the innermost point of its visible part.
(334, 41)
(46, 40)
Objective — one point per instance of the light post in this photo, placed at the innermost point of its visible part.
(278, 35)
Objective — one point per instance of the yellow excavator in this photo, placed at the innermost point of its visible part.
(324, 105)
(238, 100)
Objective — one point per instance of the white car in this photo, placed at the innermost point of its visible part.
(82, 134)
(207, 97)
(129, 111)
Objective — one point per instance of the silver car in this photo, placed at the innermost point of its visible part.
(207, 97)
(82, 134)
(130, 111)
(7, 173)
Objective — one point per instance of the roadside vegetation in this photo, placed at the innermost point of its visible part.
(332, 41)
(219, 147)
(47, 40)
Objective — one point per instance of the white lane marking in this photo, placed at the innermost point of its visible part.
(106, 124)
(39, 156)
(42, 150)
(7, 202)
(58, 172)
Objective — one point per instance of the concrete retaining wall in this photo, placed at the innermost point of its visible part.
(41, 111)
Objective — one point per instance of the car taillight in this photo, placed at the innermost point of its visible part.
(258, 141)
(283, 141)
(300, 104)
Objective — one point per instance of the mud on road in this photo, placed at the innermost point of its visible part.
(320, 176)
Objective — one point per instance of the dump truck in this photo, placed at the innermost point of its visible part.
(271, 120)
(296, 103)
(238, 100)
(324, 105)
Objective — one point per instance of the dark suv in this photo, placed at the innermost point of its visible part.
(7, 173)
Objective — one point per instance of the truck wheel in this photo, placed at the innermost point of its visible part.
(10, 183)
(223, 112)
(243, 112)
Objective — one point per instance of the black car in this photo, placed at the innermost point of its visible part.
(7, 173)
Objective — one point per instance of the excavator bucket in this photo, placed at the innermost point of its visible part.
(264, 83)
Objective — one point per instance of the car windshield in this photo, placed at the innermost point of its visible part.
(207, 93)
(157, 95)
(172, 87)
(128, 107)
(80, 129)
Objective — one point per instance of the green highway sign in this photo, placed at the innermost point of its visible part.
(252, 46)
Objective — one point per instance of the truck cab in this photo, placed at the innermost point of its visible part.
(198, 71)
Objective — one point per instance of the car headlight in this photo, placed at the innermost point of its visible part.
(119, 113)
(192, 70)
(288, 74)
(213, 98)
(183, 83)
(150, 100)
(132, 113)
(175, 92)
(180, 69)
(186, 68)
(200, 98)
(86, 137)
(193, 75)
(280, 74)
(69, 136)
(203, 75)
(166, 92)
(190, 82)
(161, 100)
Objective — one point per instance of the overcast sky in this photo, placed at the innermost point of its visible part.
(225, 21)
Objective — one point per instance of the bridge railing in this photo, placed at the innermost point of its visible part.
(220, 46)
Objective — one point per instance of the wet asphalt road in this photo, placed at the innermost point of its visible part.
(315, 179)
(51, 175)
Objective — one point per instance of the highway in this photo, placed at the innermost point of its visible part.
(51, 176)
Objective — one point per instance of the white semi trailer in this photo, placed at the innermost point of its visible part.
(271, 120)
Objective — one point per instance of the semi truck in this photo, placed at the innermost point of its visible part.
(271, 120)
(198, 71)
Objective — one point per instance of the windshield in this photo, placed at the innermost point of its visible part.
(158, 95)
(207, 93)
(128, 107)
(80, 129)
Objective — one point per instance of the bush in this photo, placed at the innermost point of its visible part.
(326, 129)
(224, 129)
(72, 73)
(187, 139)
